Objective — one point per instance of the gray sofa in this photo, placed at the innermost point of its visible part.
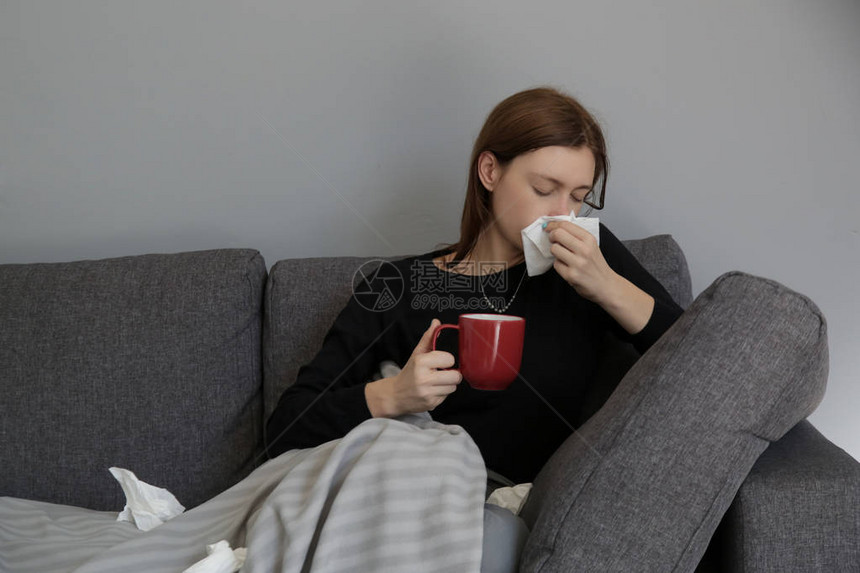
(168, 365)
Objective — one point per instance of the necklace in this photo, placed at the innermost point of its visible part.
(481, 284)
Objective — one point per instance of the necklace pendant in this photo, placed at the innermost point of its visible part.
(484, 294)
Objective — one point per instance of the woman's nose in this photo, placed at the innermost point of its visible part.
(561, 207)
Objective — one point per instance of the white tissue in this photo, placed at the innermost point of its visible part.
(146, 506)
(220, 559)
(536, 243)
(388, 368)
(511, 498)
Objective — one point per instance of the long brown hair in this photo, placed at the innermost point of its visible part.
(524, 122)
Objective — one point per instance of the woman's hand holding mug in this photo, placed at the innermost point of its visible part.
(490, 350)
(420, 386)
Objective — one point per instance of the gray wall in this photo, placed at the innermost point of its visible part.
(345, 128)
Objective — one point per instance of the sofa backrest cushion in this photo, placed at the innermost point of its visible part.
(304, 296)
(663, 258)
(149, 363)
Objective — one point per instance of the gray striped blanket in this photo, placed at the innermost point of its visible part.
(393, 495)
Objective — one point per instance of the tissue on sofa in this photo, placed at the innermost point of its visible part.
(512, 498)
(220, 558)
(146, 506)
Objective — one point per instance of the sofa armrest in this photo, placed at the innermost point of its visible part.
(798, 509)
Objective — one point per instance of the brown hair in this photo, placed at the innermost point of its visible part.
(524, 122)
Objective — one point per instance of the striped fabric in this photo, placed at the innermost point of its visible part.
(403, 494)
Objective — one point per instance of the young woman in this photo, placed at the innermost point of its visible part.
(539, 153)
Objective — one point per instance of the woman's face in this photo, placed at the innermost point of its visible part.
(547, 181)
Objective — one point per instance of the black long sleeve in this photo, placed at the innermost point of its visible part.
(516, 429)
(327, 399)
(666, 310)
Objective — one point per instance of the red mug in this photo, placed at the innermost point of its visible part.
(491, 348)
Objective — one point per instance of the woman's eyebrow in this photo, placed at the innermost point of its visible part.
(557, 182)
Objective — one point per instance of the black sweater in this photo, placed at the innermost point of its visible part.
(516, 429)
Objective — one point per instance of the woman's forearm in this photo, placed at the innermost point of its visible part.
(378, 398)
(629, 305)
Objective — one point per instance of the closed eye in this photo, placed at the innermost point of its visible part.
(545, 193)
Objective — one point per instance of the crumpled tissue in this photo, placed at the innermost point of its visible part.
(512, 498)
(387, 369)
(536, 243)
(220, 559)
(146, 506)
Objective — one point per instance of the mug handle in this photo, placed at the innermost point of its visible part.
(438, 332)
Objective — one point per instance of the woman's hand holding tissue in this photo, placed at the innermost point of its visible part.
(580, 262)
(419, 386)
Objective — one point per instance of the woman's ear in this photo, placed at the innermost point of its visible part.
(488, 170)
